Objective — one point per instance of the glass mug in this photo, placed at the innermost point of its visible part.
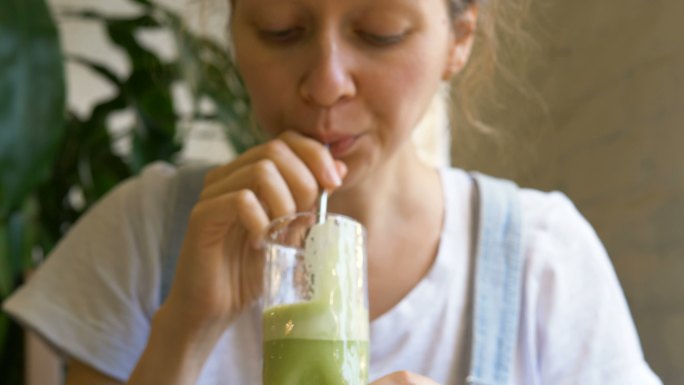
(315, 318)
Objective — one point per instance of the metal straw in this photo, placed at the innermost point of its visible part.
(322, 206)
(323, 203)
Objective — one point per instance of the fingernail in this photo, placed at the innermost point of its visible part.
(334, 177)
(341, 168)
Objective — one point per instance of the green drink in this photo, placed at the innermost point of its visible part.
(291, 361)
(302, 346)
(315, 322)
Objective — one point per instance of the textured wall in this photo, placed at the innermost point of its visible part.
(611, 75)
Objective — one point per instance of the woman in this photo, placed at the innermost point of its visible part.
(339, 85)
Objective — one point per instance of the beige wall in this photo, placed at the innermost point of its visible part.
(611, 74)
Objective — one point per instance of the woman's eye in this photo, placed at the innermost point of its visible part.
(382, 40)
(280, 35)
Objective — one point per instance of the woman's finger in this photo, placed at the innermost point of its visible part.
(341, 168)
(313, 153)
(216, 215)
(317, 158)
(252, 155)
(265, 180)
(404, 378)
(301, 181)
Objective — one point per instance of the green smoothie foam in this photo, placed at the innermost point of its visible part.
(324, 340)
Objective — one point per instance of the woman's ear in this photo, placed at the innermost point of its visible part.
(461, 43)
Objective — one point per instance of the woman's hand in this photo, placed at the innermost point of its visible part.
(220, 268)
(404, 378)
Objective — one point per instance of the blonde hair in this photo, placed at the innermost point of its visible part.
(432, 135)
(499, 22)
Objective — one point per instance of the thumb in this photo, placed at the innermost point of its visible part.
(341, 169)
(404, 378)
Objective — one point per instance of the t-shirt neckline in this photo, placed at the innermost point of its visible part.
(420, 301)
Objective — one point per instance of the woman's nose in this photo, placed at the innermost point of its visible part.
(327, 79)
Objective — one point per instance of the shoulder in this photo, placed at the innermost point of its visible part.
(575, 323)
(111, 253)
(140, 192)
(559, 238)
(147, 197)
(575, 317)
(157, 175)
(124, 228)
(550, 220)
(154, 181)
(561, 250)
(127, 223)
(565, 260)
(549, 210)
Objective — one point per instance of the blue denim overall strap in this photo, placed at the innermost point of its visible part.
(498, 281)
(185, 191)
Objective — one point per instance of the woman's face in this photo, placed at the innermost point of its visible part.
(355, 74)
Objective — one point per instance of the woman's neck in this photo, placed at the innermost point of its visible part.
(402, 207)
(404, 188)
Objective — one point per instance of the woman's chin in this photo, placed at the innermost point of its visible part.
(359, 172)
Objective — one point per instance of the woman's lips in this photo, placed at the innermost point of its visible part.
(343, 146)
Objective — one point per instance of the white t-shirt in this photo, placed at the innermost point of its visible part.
(95, 295)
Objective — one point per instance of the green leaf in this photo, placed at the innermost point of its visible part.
(4, 329)
(11, 352)
(146, 3)
(143, 21)
(34, 184)
(31, 98)
(17, 237)
(96, 67)
(148, 92)
(16, 233)
(210, 72)
(6, 272)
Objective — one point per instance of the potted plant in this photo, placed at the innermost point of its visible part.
(49, 155)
